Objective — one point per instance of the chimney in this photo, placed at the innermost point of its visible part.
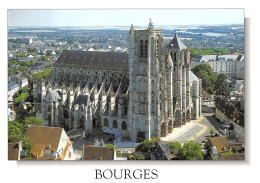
(49, 146)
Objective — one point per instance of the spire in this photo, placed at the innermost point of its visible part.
(132, 28)
(176, 43)
(150, 26)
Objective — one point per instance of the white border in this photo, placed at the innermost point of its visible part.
(247, 171)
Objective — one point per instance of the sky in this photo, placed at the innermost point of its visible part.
(124, 17)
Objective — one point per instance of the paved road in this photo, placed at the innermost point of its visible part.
(210, 122)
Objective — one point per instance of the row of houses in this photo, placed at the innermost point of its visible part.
(232, 118)
(15, 84)
(223, 150)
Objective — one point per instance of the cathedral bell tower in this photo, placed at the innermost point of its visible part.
(181, 89)
(146, 82)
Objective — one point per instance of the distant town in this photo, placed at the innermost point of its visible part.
(91, 93)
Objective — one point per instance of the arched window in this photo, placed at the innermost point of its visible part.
(115, 124)
(124, 125)
(141, 48)
(106, 122)
(49, 108)
(146, 48)
(140, 85)
(153, 86)
(66, 114)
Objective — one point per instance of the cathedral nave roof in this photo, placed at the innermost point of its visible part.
(94, 59)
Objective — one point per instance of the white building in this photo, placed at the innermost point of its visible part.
(12, 88)
(231, 65)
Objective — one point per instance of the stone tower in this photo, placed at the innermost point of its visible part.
(181, 89)
(146, 82)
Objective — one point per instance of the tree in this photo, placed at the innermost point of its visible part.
(27, 145)
(212, 131)
(31, 120)
(41, 75)
(221, 86)
(14, 131)
(146, 145)
(209, 152)
(174, 147)
(131, 157)
(109, 145)
(205, 72)
(190, 151)
(22, 97)
(140, 157)
(43, 58)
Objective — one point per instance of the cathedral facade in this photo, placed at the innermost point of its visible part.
(143, 94)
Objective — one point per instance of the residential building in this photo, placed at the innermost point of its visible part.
(11, 114)
(50, 142)
(12, 88)
(98, 153)
(219, 145)
(15, 151)
(226, 112)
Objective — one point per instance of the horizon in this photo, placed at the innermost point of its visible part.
(124, 17)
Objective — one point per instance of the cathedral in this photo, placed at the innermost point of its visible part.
(142, 94)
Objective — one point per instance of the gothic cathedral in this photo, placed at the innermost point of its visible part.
(143, 94)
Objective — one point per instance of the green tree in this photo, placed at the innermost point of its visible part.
(140, 157)
(221, 86)
(14, 131)
(190, 151)
(174, 147)
(58, 51)
(41, 75)
(205, 72)
(131, 157)
(22, 97)
(144, 146)
(27, 145)
(212, 131)
(31, 120)
(209, 152)
(43, 58)
(109, 145)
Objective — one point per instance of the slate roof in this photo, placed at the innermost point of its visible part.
(52, 96)
(12, 85)
(98, 153)
(193, 77)
(99, 143)
(176, 43)
(13, 150)
(94, 59)
(81, 99)
(207, 58)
